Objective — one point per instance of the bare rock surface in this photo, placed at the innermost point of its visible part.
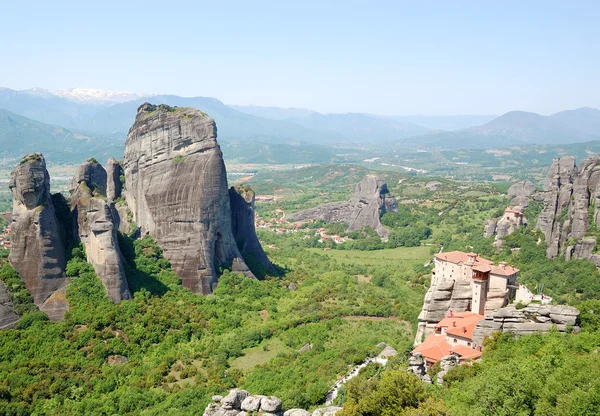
(176, 187)
(241, 403)
(37, 249)
(490, 228)
(520, 192)
(242, 224)
(369, 202)
(531, 319)
(114, 171)
(8, 316)
(96, 228)
(570, 192)
(442, 296)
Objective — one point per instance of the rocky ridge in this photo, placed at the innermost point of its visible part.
(369, 202)
(528, 320)
(37, 247)
(241, 403)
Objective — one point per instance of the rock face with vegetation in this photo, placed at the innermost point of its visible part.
(369, 202)
(96, 228)
(528, 320)
(571, 209)
(242, 224)
(176, 187)
(8, 316)
(37, 248)
(241, 403)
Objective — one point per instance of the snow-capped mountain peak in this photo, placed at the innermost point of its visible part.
(38, 92)
(96, 96)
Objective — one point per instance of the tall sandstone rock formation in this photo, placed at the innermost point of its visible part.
(369, 202)
(37, 248)
(242, 223)
(571, 198)
(176, 187)
(96, 227)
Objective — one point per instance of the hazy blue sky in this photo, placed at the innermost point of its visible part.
(386, 57)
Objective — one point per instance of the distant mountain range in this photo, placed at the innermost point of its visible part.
(101, 115)
(20, 135)
(520, 128)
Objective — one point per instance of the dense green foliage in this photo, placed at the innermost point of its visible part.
(19, 296)
(180, 348)
(552, 374)
(392, 393)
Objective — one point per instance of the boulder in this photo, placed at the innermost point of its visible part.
(270, 404)
(251, 403)
(327, 411)
(297, 412)
(234, 399)
(176, 188)
(369, 202)
(37, 247)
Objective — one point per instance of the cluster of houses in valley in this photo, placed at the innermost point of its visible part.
(282, 226)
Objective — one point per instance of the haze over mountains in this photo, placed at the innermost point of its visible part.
(96, 118)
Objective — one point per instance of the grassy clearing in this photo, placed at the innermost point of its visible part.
(387, 256)
(260, 355)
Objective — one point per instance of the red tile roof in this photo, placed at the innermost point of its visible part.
(458, 257)
(481, 264)
(465, 331)
(465, 352)
(459, 319)
(434, 348)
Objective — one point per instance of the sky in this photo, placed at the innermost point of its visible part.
(382, 57)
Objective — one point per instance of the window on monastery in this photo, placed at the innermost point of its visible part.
(455, 340)
(468, 344)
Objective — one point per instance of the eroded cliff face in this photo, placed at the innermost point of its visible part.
(443, 295)
(242, 223)
(96, 227)
(176, 187)
(37, 249)
(369, 202)
(529, 320)
(571, 198)
(8, 316)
